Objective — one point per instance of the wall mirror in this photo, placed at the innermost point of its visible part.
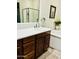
(28, 11)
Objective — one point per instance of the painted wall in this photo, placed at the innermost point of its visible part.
(45, 9)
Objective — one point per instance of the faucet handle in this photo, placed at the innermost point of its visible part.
(36, 25)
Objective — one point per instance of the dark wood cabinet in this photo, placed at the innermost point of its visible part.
(34, 46)
(39, 46)
(19, 47)
(46, 42)
(29, 47)
(26, 49)
(30, 55)
(42, 43)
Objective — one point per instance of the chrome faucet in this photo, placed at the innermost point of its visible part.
(36, 26)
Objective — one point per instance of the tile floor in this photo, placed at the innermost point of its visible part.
(51, 54)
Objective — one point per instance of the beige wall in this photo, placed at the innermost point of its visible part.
(45, 9)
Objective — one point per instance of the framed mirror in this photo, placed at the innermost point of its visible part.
(28, 11)
(52, 11)
(30, 15)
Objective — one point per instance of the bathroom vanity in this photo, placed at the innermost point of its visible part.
(32, 42)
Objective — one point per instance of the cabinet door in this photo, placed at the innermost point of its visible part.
(46, 42)
(39, 46)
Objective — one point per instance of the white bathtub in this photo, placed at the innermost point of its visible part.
(55, 40)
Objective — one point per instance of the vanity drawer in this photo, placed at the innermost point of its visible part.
(28, 47)
(30, 55)
(28, 39)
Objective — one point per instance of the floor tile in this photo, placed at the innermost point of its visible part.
(51, 54)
